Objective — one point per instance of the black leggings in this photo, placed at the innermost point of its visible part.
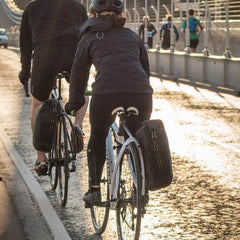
(101, 107)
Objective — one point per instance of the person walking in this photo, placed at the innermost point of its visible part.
(151, 31)
(122, 79)
(165, 33)
(49, 34)
(195, 29)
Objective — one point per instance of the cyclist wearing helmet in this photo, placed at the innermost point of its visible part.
(122, 79)
(49, 35)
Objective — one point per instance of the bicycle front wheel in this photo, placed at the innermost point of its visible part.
(129, 196)
(100, 213)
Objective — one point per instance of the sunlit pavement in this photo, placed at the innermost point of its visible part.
(203, 201)
(10, 227)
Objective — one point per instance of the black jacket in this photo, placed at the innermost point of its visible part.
(120, 59)
(47, 23)
(150, 28)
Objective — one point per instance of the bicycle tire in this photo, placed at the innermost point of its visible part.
(100, 213)
(128, 212)
(62, 164)
(53, 175)
(52, 157)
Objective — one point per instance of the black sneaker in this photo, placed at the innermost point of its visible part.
(92, 196)
(41, 168)
(79, 138)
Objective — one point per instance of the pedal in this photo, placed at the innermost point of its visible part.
(73, 168)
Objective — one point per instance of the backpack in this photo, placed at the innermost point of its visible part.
(166, 36)
(192, 25)
(43, 131)
(167, 33)
(156, 153)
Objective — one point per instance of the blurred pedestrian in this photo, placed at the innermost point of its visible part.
(195, 29)
(151, 31)
(165, 33)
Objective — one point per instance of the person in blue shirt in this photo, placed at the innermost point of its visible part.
(195, 29)
(165, 33)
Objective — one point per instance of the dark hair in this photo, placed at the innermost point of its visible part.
(118, 20)
(169, 18)
(191, 11)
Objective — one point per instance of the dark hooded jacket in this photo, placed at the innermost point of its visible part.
(120, 59)
(49, 23)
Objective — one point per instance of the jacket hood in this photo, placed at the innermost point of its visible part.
(95, 25)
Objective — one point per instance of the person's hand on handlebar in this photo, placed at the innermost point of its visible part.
(24, 76)
(72, 108)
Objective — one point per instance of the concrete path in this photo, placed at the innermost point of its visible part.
(10, 226)
(21, 194)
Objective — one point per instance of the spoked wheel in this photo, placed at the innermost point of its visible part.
(62, 163)
(100, 213)
(129, 196)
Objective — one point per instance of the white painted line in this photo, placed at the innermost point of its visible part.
(56, 227)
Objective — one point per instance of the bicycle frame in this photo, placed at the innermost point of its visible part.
(113, 164)
(56, 93)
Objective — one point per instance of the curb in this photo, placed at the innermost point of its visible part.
(54, 223)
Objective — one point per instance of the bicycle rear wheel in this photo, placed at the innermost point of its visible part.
(63, 159)
(129, 196)
(53, 175)
(100, 213)
(52, 171)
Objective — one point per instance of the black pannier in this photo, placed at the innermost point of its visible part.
(43, 131)
(156, 153)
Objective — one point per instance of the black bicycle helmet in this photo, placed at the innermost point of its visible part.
(98, 6)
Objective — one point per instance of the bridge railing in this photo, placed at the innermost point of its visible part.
(12, 11)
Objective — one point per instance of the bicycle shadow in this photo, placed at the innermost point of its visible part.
(95, 236)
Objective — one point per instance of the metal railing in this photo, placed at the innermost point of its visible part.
(12, 11)
(157, 14)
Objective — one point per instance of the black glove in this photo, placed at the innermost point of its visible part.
(24, 76)
(71, 109)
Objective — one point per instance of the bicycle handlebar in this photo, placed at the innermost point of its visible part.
(88, 92)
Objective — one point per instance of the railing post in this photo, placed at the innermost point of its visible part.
(172, 40)
(187, 32)
(206, 29)
(138, 19)
(145, 25)
(166, 8)
(135, 14)
(158, 20)
(227, 52)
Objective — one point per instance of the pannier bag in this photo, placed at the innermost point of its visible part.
(157, 158)
(43, 131)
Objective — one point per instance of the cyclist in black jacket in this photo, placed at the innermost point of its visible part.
(122, 79)
(49, 35)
